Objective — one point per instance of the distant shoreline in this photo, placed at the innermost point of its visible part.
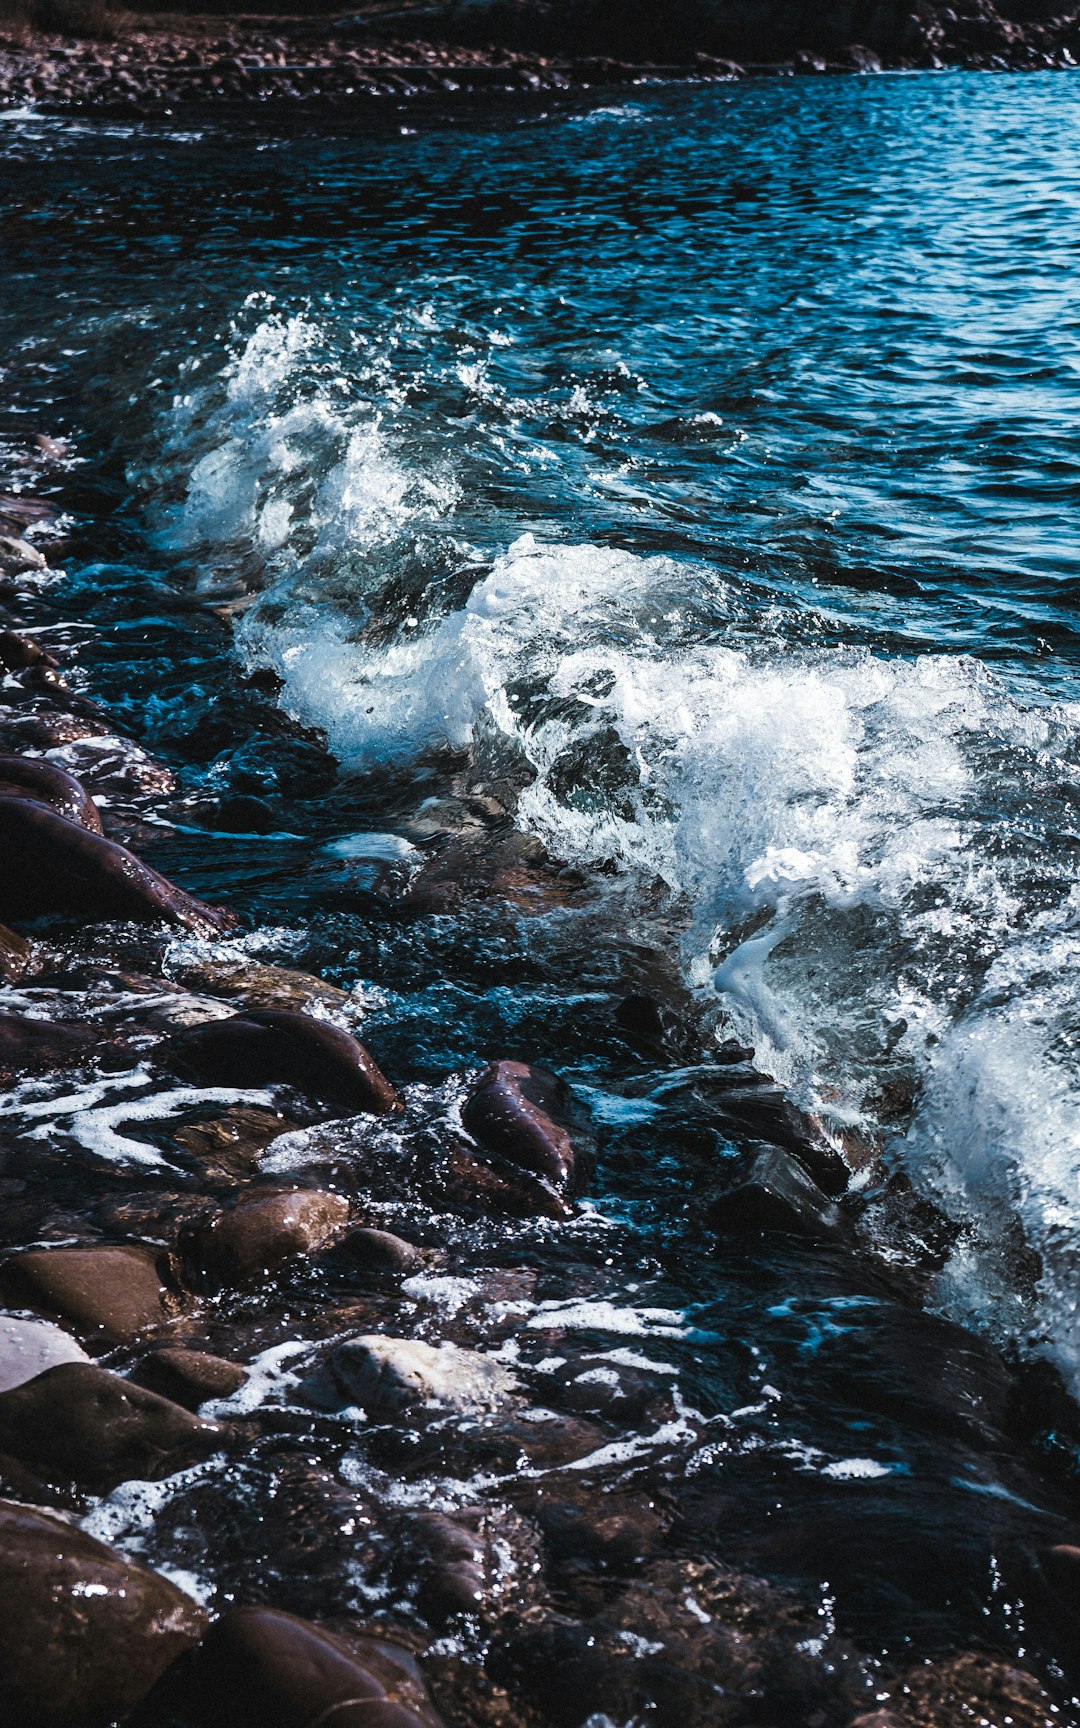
(156, 65)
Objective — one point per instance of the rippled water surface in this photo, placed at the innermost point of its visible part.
(694, 473)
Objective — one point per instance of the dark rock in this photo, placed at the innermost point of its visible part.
(84, 1633)
(44, 783)
(188, 1377)
(259, 1668)
(265, 1046)
(49, 864)
(35, 1046)
(512, 1110)
(107, 1294)
(777, 1195)
(257, 985)
(77, 1421)
(19, 652)
(372, 1252)
(259, 1237)
(16, 955)
(471, 1180)
(28, 1347)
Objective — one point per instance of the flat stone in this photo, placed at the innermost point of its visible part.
(78, 1422)
(388, 1375)
(28, 1347)
(189, 1377)
(84, 1633)
(108, 1295)
(259, 1237)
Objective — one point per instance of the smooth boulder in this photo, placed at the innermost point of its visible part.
(188, 1377)
(258, 1237)
(512, 1110)
(50, 864)
(44, 783)
(84, 1633)
(278, 1046)
(260, 1668)
(108, 1295)
(79, 1423)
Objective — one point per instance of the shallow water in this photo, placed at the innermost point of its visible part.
(694, 473)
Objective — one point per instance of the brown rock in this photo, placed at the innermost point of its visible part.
(84, 1633)
(45, 783)
(369, 1251)
(258, 1237)
(188, 1377)
(511, 1110)
(259, 1668)
(256, 985)
(107, 1294)
(32, 1046)
(78, 1422)
(266, 1047)
(16, 955)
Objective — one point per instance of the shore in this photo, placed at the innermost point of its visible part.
(158, 65)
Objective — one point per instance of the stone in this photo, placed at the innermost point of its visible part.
(778, 1195)
(109, 1295)
(49, 864)
(372, 1253)
(35, 1046)
(18, 652)
(511, 1110)
(260, 1668)
(387, 1376)
(80, 1423)
(28, 1347)
(16, 955)
(266, 1047)
(17, 555)
(46, 783)
(188, 1377)
(84, 1633)
(256, 985)
(258, 1237)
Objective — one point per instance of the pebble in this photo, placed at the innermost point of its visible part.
(84, 1633)
(373, 1252)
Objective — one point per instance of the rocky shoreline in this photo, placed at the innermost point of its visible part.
(315, 1405)
(148, 67)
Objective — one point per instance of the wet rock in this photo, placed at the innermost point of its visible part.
(232, 1143)
(188, 1377)
(971, 1687)
(49, 864)
(106, 1294)
(16, 955)
(259, 1237)
(512, 1109)
(259, 1668)
(77, 1421)
(386, 1376)
(372, 1253)
(265, 1047)
(616, 1536)
(84, 1633)
(28, 1347)
(256, 985)
(18, 555)
(472, 1181)
(449, 1560)
(45, 783)
(778, 1195)
(36, 1046)
(18, 652)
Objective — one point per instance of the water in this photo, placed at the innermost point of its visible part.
(693, 473)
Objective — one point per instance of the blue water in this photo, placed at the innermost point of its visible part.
(693, 472)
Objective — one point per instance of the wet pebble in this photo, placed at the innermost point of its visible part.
(260, 1236)
(512, 1110)
(107, 1294)
(188, 1377)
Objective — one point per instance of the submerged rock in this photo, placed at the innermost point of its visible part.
(107, 1294)
(386, 1376)
(265, 1047)
(79, 1422)
(372, 1253)
(84, 1633)
(512, 1110)
(49, 864)
(258, 1237)
(29, 1347)
(257, 985)
(35, 1046)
